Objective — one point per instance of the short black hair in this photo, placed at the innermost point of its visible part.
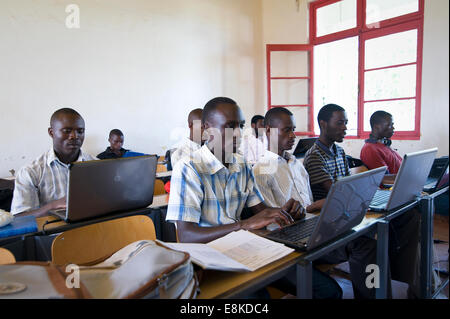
(65, 110)
(326, 112)
(211, 106)
(256, 118)
(378, 117)
(274, 114)
(116, 132)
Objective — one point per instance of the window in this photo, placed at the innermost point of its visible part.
(365, 55)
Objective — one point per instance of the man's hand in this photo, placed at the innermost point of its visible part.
(283, 216)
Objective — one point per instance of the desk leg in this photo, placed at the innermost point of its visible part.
(304, 279)
(426, 242)
(382, 257)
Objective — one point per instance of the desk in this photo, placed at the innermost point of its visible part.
(224, 284)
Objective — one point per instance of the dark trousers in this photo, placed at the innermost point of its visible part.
(324, 287)
(359, 253)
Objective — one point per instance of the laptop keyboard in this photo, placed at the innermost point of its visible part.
(296, 232)
(381, 197)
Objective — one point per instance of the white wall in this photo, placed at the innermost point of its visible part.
(283, 23)
(136, 65)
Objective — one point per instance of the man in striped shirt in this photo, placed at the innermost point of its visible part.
(42, 185)
(209, 191)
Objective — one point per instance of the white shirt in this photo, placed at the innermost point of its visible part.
(281, 178)
(252, 148)
(186, 149)
(42, 182)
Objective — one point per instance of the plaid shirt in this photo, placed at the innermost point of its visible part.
(323, 164)
(42, 182)
(205, 192)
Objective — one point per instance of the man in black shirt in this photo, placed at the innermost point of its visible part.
(115, 150)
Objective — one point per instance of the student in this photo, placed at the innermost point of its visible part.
(280, 176)
(253, 144)
(377, 150)
(208, 193)
(42, 185)
(326, 163)
(195, 140)
(115, 150)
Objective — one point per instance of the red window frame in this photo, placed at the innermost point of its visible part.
(293, 47)
(405, 22)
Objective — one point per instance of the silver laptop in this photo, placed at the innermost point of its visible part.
(101, 187)
(409, 182)
(345, 207)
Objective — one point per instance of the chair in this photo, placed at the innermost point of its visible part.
(161, 168)
(6, 257)
(159, 187)
(93, 243)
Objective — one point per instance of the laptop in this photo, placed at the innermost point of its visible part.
(345, 207)
(437, 171)
(303, 146)
(409, 182)
(97, 188)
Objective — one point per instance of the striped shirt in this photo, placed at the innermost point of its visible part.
(281, 178)
(323, 164)
(41, 182)
(205, 192)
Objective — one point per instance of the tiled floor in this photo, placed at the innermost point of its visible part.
(441, 238)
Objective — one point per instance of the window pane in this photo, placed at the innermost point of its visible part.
(403, 113)
(290, 92)
(336, 17)
(390, 83)
(336, 79)
(397, 48)
(301, 118)
(289, 63)
(379, 10)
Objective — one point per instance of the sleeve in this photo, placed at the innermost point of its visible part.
(315, 166)
(26, 194)
(186, 194)
(264, 184)
(371, 157)
(254, 196)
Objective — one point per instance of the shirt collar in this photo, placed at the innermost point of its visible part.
(51, 157)
(209, 164)
(332, 151)
(288, 157)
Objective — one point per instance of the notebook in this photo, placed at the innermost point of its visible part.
(409, 182)
(20, 225)
(345, 207)
(97, 188)
(437, 171)
(303, 146)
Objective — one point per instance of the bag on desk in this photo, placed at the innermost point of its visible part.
(143, 269)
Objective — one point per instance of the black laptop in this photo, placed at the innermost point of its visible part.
(437, 171)
(345, 207)
(97, 188)
(303, 146)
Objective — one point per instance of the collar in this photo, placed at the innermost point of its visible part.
(271, 156)
(332, 151)
(51, 157)
(209, 164)
(372, 139)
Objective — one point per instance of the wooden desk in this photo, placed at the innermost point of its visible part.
(225, 284)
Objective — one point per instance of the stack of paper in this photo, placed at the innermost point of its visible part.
(237, 251)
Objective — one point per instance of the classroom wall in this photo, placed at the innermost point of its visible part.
(136, 65)
(286, 22)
